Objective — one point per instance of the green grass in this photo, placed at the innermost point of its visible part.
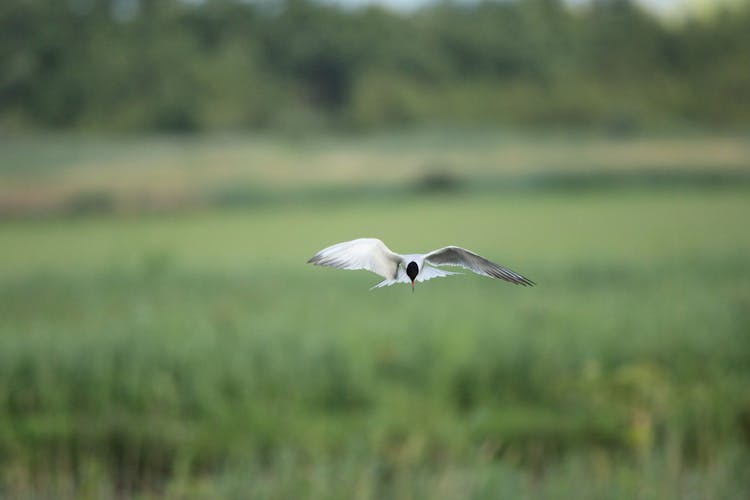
(197, 355)
(194, 354)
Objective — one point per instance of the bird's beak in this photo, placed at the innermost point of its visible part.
(412, 285)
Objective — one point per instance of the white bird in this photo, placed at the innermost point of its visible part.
(372, 254)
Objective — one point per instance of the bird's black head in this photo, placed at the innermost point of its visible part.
(412, 270)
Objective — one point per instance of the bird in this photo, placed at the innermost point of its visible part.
(373, 255)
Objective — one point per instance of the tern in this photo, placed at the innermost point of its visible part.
(372, 254)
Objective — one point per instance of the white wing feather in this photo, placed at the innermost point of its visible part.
(364, 253)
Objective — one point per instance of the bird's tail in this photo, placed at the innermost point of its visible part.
(383, 283)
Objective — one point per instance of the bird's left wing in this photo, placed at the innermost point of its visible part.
(457, 256)
(364, 253)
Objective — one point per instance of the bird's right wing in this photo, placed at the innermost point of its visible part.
(364, 253)
(457, 256)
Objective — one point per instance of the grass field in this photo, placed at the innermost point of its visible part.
(194, 354)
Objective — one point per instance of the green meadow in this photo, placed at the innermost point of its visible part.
(186, 350)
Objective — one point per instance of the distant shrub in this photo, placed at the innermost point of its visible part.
(437, 179)
(91, 202)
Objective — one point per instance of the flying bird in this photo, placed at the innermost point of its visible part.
(372, 254)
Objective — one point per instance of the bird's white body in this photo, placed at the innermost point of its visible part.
(372, 254)
(425, 272)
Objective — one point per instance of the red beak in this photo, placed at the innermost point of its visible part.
(412, 285)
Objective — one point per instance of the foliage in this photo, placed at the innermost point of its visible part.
(296, 64)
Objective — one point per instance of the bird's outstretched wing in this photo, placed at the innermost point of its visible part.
(457, 256)
(364, 253)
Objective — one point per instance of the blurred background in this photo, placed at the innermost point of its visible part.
(168, 166)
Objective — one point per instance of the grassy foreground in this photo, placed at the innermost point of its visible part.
(196, 355)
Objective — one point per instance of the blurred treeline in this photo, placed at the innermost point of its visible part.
(219, 64)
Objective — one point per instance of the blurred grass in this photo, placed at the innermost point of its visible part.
(196, 355)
